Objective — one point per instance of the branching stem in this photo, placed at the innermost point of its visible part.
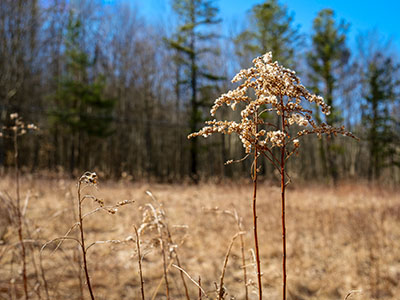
(82, 244)
(19, 215)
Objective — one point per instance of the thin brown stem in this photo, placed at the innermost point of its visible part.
(191, 279)
(238, 220)
(283, 188)
(43, 274)
(199, 288)
(162, 243)
(351, 292)
(32, 251)
(271, 159)
(82, 244)
(165, 269)
(178, 262)
(139, 262)
(243, 259)
(255, 225)
(221, 291)
(19, 215)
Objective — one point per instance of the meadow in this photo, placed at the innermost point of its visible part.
(340, 240)
(114, 182)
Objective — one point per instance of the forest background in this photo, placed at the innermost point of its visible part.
(116, 89)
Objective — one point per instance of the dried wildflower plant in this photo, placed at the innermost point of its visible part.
(277, 90)
(88, 179)
(154, 219)
(17, 128)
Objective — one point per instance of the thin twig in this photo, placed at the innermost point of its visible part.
(153, 296)
(178, 262)
(139, 262)
(65, 235)
(352, 292)
(239, 224)
(60, 238)
(199, 287)
(46, 287)
(104, 242)
(194, 281)
(235, 215)
(161, 239)
(221, 291)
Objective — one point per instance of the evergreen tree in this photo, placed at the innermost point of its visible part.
(81, 110)
(381, 83)
(192, 41)
(270, 28)
(328, 56)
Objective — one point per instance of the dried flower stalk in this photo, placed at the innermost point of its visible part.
(16, 129)
(139, 262)
(277, 90)
(91, 179)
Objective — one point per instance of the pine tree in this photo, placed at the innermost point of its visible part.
(270, 28)
(80, 110)
(381, 83)
(329, 54)
(192, 42)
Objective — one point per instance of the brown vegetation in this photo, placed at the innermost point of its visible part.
(339, 239)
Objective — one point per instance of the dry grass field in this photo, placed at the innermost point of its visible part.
(339, 239)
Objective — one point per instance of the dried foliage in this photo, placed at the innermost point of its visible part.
(277, 90)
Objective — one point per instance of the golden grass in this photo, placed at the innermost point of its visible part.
(339, 239)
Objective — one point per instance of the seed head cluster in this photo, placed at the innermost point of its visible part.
(17, 127)
(89, 178)
(276, 90)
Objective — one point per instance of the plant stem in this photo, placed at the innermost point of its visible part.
(199, 288)
(19, 215)
(178, 262)
(222, 292)
(139, 262)
(255, 225)
(83, 242)
(283, 187)
(243, 261)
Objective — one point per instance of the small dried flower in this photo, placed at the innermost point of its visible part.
(129, 238)
(89, 178)
(113, 211)
(100, 201)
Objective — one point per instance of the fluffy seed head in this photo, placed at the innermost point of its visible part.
(277, 90)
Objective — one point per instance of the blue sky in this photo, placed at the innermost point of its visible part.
(382, 16)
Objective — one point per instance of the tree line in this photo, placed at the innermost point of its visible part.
(114, 92)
